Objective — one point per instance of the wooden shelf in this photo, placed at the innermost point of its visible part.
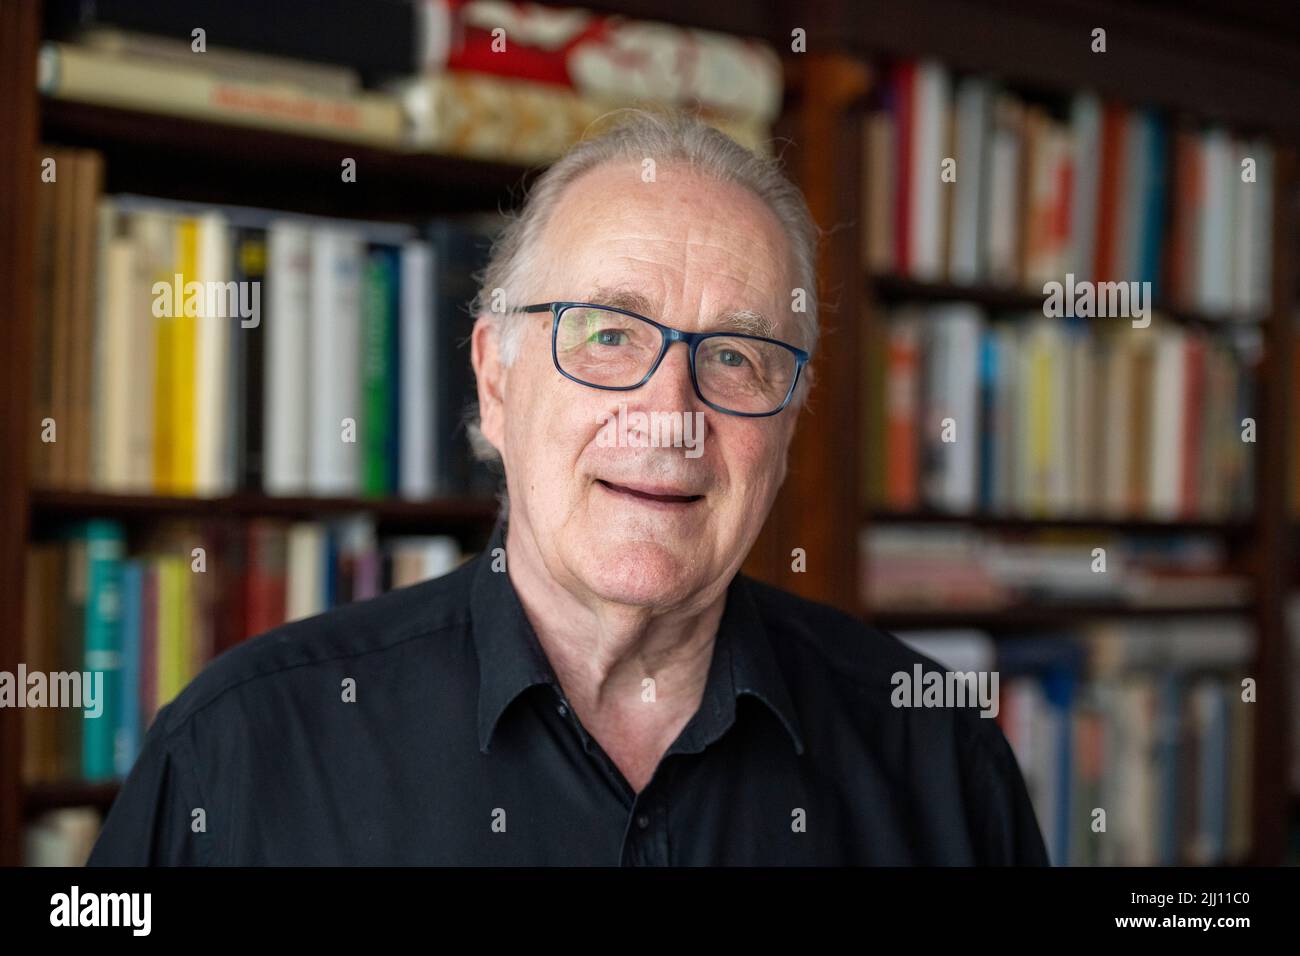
(53, 506)
(1031, 617)
(895, 289)
(40, 797)
(201, 161)
(994, 522)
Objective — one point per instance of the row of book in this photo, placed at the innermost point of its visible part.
(1039, 417)
(149, 614)
(946, 568)
(969, 183)
(511, 81)
(1135, 739)
(199, 350)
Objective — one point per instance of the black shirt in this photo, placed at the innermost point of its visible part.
(456, 746)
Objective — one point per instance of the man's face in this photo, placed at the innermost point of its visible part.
(645, 526)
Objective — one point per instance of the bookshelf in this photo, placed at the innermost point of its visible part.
(1204, 76)
(1208, 62)
(178, 158)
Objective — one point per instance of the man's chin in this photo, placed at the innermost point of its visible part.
(639, 572)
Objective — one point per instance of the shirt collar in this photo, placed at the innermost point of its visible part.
(511, 659)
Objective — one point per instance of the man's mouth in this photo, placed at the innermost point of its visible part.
(649, 493)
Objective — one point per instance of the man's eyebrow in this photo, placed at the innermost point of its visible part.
(619, 297)
(745, 321)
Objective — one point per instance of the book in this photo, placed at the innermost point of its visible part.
(67, 71)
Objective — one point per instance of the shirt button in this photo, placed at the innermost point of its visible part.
(643, 821)
(562, 710)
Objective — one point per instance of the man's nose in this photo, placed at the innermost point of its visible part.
(670, 387)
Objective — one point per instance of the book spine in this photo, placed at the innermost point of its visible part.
(105, 546)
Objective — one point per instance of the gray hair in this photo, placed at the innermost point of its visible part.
(669, 137)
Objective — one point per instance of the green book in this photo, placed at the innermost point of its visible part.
(379, 373)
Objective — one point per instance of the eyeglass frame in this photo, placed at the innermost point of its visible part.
(669, 335)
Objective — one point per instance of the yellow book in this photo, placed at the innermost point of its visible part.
(174, 599)
(184, 470)
(164, 412)
(1041, 420)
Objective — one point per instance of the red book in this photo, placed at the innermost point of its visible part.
(902, 475)
(904, 104)
(1112, 170)
(266, 580)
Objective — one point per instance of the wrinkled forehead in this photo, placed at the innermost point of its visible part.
(686, 241)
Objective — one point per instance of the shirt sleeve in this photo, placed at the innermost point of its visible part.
(1002, 823)
(153, 821)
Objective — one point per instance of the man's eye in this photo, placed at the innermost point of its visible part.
(732, 358)
(609, 337)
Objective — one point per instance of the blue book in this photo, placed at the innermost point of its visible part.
(105, 548)
(988, 415)
(129, 722)
(1168, 731)
(1058, 662)
(1152, 221)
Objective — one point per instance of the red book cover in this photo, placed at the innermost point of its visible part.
(902, 478)
(265, 580)
(1112, 162)
(904, 104)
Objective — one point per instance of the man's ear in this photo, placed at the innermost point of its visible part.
(485, 354)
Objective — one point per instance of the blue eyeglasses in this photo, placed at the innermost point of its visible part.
(613, 349)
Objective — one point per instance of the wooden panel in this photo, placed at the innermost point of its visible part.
(19, 180)
(817, 509)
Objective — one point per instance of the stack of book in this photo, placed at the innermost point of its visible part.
(909, 567)
(968, 183)
(149, 618)
(198, 350)
(526, 81)
(1041, 417)
(1134, 739)
(508, 82)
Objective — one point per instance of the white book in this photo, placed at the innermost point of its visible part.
(286, 358)
(1168, 393)
(334, 389)
(929, 149)
(957, 487)
(212, 361)
(965, 256)
(1254, 242)
(1058, 432)
(440, 554)
(415, 334)
(1119, 384)
(1004, 195)
(119, 364)
(305, 589)
(1216, 221)
(153, 237)
(1085, 146)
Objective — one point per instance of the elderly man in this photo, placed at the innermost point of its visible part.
(601, 686)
